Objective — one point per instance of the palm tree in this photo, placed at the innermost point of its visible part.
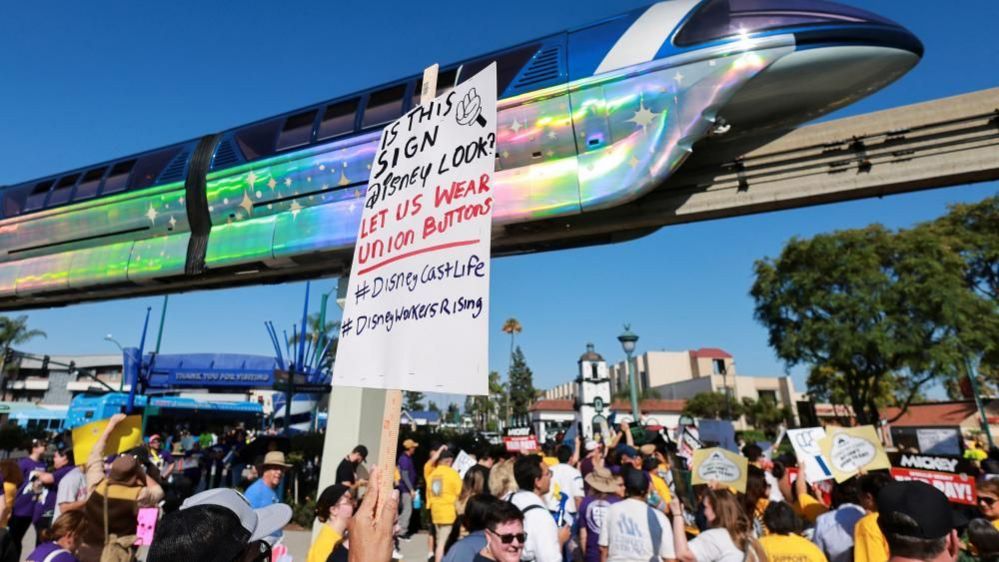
(14, 331)
(511, 326)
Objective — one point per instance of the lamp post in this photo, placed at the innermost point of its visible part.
(121, 382)
(628, 340)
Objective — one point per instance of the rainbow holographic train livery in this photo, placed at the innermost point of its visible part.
(589, 119)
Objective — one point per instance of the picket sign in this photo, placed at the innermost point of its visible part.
(393, 397)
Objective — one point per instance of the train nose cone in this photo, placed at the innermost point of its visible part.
(842, 54)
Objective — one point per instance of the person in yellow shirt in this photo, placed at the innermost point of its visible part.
(869, 544)
(443, 489)
(805, 505)
(429, 467)
(783, 544)
(988, 501)
(334, 508)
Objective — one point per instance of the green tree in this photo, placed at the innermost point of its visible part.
(318, 338)
(713, 405)
(888, 312)
(453, 414)
(433, 407)
(413, 400)
(522, 391)
(766, 415)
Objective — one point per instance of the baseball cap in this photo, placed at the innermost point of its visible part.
(410, 444)
(259, 522)
(627, 450)
(923, 504)
(590, 445)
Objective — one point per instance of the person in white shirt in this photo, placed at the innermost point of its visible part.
(633, 531)
(544, 538)
(567, 481)
(729, 538)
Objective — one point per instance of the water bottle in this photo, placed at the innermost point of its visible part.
(417, 500)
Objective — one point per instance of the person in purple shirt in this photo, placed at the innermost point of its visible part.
(63, 464)
(407, 484)
(35, 479)
(59, 542)
(605, 491)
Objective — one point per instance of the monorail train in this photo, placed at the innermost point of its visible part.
(589, 119)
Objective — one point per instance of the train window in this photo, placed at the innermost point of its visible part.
(63, 189)
(150, 166)
(508, 65)
(257, 141)
(89, 185)
(13, 201)
(384, 106)
(718, 19)
(118, 177)
(297, 130)
(338, 119)
(36, 199)
(445, 83)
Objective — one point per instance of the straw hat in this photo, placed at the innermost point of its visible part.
(602, 480)
(409, 444)
(275, 458)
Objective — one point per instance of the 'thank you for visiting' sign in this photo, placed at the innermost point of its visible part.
(417, 310)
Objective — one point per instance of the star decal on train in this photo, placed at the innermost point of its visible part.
(643, 117)
(246, 203)
(151, 214)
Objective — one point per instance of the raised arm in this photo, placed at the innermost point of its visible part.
(94, 468)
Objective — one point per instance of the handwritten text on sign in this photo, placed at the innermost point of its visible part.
(416, 314)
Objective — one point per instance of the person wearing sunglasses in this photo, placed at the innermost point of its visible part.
(988, 501)
(505, 536)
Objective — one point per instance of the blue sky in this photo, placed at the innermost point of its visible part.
(85, 82)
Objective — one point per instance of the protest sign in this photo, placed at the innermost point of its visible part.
(937, 463)
(939, 441)
(420, 273)
(687, 442)
(721, 432)
(806, 446)
(720, 465)
(958, 488)
(462, 463)
(521, 444)
(145, 526)
(126, 435)
(851, 449)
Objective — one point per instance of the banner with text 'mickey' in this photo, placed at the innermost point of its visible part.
(417, 310)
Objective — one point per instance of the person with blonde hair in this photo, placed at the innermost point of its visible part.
(58, 543)
(501, 480)
(729, 538)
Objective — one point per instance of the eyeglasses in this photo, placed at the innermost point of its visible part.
(507, 538)
(987, 500)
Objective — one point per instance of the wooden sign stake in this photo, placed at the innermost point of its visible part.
(393, 397)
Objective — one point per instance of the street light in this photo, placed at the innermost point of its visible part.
(628, 340)
(121, 382)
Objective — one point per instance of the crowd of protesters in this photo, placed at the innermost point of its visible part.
(618, 502)
(577, 501)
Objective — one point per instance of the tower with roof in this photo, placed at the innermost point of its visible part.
(593, 392)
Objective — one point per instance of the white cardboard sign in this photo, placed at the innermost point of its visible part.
(806, 445)
(463, 462)
(417, 309)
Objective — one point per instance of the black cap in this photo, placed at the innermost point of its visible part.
(923, 504)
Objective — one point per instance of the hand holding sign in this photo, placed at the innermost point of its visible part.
(718, 465)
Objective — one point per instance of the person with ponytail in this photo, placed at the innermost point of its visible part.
(59, 542)
(729, 537)
(334, 509)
